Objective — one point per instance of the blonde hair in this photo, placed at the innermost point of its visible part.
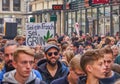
(114, 46)
(112, 39)
(23, 49)
(75, 62)
(69, 55)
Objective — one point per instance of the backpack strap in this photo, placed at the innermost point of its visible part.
(37, 81)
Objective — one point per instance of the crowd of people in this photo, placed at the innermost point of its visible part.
(77, 59)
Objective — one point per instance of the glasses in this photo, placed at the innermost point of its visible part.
(26, 62)
(8, 54)
(51, 53)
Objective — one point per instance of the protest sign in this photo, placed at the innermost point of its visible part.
(35, 33)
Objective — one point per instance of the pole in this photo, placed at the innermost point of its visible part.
(119, 20)
(54, 28)
(111, 20)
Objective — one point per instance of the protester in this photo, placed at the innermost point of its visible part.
(92, 63)
(67, 56)
(112, 41)
(102, 42)
(23, 60)
(96, 40)
(38, 48)
(1, 54)
(118, 42)
(38, 56)
(64, 46)
(52, 68)
(74, 73)
(115, 51)
(76, 47)
(116, 68)
(9, 49)
(110, 75)
(19, 39)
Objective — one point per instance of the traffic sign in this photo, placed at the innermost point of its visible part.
(53, 18)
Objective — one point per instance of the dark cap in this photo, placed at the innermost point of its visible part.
(49, 46)
(60, 39)
(96, 35)
(76, 44)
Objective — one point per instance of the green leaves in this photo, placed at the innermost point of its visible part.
(48, 35)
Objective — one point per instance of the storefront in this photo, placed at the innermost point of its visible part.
(100, 19)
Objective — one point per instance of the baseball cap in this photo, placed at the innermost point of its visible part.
(49, 46)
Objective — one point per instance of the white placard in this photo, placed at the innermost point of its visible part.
(35, 33)
(77, 28)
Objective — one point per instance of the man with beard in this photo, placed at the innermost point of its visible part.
(52, 68)
(9, 49)
(75, 71)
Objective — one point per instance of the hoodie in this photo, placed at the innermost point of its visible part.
(9, 77)
(3, 71)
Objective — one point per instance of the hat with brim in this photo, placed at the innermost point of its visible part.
(49, 46)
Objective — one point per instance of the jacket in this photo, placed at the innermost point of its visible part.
(62, 80)
(82, 80)
(9, 78)
(62, 71)
(111, 79)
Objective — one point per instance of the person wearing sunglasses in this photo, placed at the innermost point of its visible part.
(52, 68)
(8, 50)
(74, 73)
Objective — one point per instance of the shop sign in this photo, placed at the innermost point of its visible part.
(57, 7)
(100, 1)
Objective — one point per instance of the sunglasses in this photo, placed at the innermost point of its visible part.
(50, 53)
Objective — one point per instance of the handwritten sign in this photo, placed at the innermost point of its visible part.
(35, 33)
(77, 28)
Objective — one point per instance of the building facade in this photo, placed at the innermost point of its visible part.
(12, 11)
(96, 19)
(42, 12)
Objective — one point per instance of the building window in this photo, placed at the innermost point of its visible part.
(30, 8)
(16, 5)
(5, 5)
(19, 21)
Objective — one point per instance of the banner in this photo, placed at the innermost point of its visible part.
(36, 33)
(100, 1)
(77, 28)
